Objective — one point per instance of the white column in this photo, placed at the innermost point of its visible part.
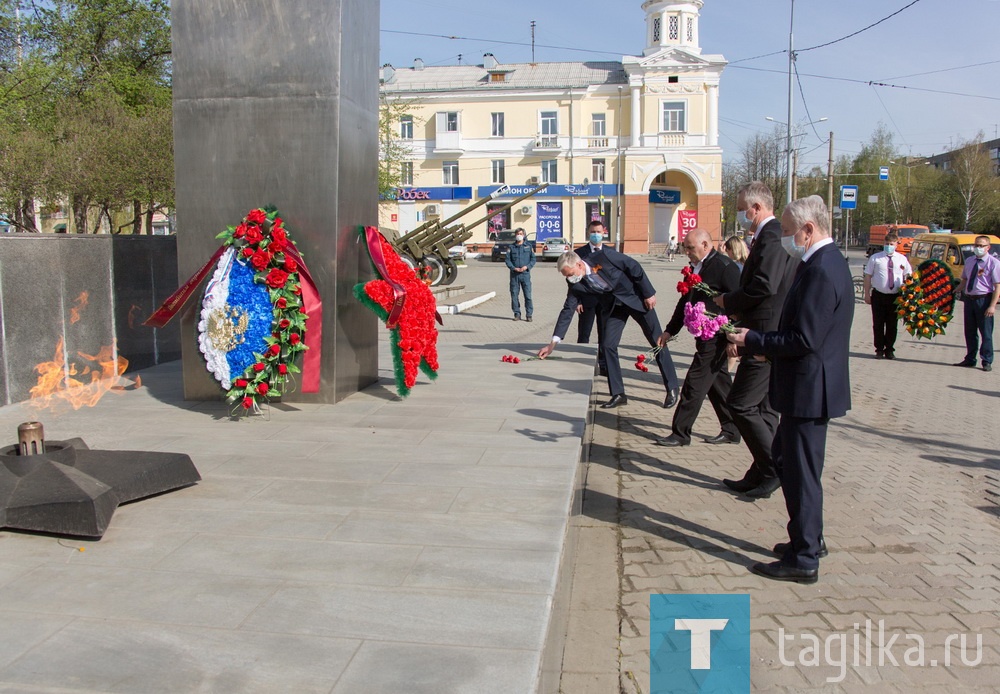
(712, 139)
(636, 140)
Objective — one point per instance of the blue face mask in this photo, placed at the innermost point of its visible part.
(596, 238)
(788, 243)
(889, 249)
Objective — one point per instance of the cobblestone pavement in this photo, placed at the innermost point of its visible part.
(911, 512)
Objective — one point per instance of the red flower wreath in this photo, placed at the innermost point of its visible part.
(414, 338)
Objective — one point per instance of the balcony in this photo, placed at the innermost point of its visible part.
(448, 142)
(597, 142)
(673, 140)
(546, 143)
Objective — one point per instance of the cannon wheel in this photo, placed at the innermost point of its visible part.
(431, 268)
(410, 262)
(450, 272)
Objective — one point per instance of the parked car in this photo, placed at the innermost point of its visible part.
(553, 248)
(504, 240)
(953, 249)
(457, 252)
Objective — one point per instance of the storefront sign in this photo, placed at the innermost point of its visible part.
(665, 197)
(438, 193)
(549, 224)
(687, 221)
(594, 190)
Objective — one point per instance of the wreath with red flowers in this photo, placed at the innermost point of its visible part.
(926, 299)
(405, 302)
(262, 243)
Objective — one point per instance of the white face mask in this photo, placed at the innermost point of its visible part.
(788, 243)
(573, 279)
(979, 251)
(744, 221)
(519, 238)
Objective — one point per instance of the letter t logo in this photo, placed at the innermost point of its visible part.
(701, 639)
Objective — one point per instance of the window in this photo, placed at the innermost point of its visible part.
(496, 125)
(690, 29)
(674, 120)
(599, 125)
(406, 127)
(406, 173)
(673, 31)
(449, 170)
(549, 122)
(447, 122)
(550, 171)
(498, 171)
(597, 174)
(657, 27)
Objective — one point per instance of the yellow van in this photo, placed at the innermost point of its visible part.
(953, 249)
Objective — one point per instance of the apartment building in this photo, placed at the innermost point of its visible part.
(634, 142)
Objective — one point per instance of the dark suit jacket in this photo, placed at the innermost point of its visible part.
(628, 282)
(584, 251)
(767, 275)
(719, 273)
(809, 350)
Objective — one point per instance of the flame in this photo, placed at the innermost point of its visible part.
(56, 382)
(81, 302)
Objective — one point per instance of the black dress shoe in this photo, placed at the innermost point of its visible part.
(782, 547)
(615, 401)
(966, 364)
(764, 489)
(743, 485)
(672, 442)
(782, 572)
(723, 438)
(673, 395)
(890, 355)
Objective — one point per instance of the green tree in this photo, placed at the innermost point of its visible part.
(975, 186)
(393, 149)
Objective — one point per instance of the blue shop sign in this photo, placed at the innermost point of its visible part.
(436, 193)
(594, 190)
(665, 197)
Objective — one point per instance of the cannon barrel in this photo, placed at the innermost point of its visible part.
(509, 205)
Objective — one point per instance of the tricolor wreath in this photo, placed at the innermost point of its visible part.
(927, 299)
(253, 315)
(406, 304)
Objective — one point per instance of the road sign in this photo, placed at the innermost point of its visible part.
(848, 197)
(883, 173)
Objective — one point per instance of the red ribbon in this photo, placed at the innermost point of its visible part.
(311, 300)
(373, 237)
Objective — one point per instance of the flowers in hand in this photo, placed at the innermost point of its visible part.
(705, 325)
(692, 280)
(640, 361)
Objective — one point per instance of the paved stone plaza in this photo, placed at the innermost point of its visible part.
(380, 545)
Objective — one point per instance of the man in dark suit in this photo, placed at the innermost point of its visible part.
(756, 304)
(709, 372)
(624, 292)
(596, 233)
(810, 380)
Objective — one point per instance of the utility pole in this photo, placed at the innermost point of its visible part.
(532, 40)
(829, 187)
(788, 121)
(795, 175)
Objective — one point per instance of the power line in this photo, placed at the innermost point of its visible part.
(764, 55)
(795, 67)
(872, 83)
(886, 109)
(498, 41)
(947, 69)
(844, 38)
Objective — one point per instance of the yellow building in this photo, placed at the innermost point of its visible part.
(634, 143)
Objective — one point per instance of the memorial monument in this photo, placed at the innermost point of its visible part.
(276, 103)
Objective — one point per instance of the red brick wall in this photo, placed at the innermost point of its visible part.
(635, 224)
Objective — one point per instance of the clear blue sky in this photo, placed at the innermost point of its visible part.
(932, 35)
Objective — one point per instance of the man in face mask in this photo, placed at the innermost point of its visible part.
(756, 304)
(884, 275)
(809, 381)
(588, 308)
(520, 259)
(980, 286)
(624, 291)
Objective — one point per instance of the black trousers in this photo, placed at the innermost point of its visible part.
(800, 452)
(614, 324)
(707, 376)
(752, 413)
(592, 312)
(884, 322)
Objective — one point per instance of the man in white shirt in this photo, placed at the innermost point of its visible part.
(884, 275)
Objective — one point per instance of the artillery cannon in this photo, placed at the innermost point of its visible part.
(425, 248)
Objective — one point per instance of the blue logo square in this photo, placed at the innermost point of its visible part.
(699, 644)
